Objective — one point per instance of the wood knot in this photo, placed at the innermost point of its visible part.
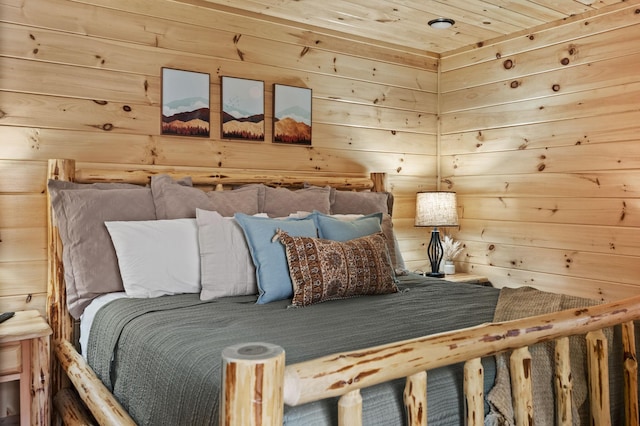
(555, 87)
(107, 127)
(531, 37)
(498, 55)
(514, 84)
(508, 64)
(127, 108)
(565, 61)
(637, 11)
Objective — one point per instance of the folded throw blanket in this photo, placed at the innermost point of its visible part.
(524, 302)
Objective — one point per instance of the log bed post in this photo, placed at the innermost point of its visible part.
(252, 385)
(57, 314)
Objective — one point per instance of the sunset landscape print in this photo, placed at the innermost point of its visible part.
(292, 115)
(185, 103)
(242, 109)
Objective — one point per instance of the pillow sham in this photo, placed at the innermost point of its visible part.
(157, 257)
(334, 228)
(175, 201)
(226, 267)
(365, 202)
(272, 273)
(280, 202)
(89, 259)
(323, 270)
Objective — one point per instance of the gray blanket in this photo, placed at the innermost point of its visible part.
(526, 301)
(161, 357)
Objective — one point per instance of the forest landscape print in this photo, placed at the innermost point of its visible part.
(185, 103)
(292, 115)
(242, 109)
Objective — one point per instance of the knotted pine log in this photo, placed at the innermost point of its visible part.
(597, 356)
(563, 383)
(474, 392)
(415, 399)
(252, 385)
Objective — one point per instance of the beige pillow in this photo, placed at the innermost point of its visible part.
(226, 267)
(323, 270)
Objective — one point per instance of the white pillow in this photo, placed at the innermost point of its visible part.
(157, 257)
(226, 265)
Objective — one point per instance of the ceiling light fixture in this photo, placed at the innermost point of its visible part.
(441, 23)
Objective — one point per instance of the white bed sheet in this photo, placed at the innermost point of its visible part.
(86, 319)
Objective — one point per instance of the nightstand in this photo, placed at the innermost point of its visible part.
(463, 277)
(24, 349)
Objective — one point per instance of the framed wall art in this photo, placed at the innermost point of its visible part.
(185, 103)
(242, 109)
(291, 115)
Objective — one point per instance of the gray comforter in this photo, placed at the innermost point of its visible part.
(161, 357)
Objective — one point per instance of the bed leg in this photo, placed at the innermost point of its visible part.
(252, 385)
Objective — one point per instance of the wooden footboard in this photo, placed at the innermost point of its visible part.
(345, 374)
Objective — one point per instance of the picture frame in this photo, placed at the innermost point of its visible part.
(242, 109)
(185, 103)
(292, 115)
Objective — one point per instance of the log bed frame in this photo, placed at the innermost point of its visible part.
(257, 383)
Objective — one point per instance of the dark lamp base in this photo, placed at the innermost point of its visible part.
(434, 274)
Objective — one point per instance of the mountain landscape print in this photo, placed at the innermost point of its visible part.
(185, 103)
(242, 109)
(291, 115)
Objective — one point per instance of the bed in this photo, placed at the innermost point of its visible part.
(354, 354)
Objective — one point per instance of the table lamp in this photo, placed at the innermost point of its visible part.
(436, 209)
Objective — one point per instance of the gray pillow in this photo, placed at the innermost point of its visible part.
(351, 202)
(175, 201)
(89, 258)
(280, 202)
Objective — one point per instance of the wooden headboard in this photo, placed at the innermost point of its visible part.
(69, 170)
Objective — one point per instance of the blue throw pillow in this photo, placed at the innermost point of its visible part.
(269, 258)
(332, 228)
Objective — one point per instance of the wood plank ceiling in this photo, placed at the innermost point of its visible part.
(404, 22)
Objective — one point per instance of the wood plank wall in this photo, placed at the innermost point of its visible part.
(81, 79)
(540, 137)
(73, 87)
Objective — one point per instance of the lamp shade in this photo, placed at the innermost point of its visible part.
(436, 208)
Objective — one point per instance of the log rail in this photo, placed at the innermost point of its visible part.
(345, 374)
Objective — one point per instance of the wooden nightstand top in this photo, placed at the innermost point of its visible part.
(24, 325)
(463, 277)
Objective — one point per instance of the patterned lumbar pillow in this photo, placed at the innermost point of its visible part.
(324, 270)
